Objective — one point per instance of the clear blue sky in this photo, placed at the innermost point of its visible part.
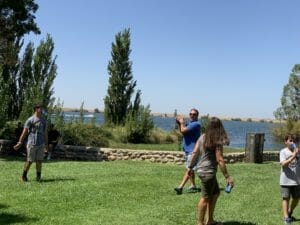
(226, 58)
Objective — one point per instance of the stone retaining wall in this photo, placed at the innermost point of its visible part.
(82, 153)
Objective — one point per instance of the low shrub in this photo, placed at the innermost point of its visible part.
(159, 136)
(85, 134)
(8, 131)
(139, 125)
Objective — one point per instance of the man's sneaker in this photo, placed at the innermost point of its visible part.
(194, 189)
(290, 212)
(178, 190)
(287, 220)
(23, 179)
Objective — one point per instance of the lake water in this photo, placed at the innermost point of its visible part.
(237, 130)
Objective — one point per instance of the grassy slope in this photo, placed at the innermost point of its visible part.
(115, 193)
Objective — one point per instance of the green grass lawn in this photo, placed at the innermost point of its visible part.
(132, 193)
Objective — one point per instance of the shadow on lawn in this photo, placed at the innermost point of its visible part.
(238, 223)
(3, 206)
(59, 179)
(9, 218)
(12, 158)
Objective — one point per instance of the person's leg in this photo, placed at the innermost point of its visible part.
(285, 207)
(295, 199)
(206, 196)
(27, 166)
(192, 179)
(50, 150)
(188, 157)
(294, 203)
(202, 206)
(25, 171)
(39, 158)
(184, 179)
(186, 176)
(39, 166)
(38, 170)
(183, 182)
(211, 208)
(286, 192)
(28, 163)
(213, 200)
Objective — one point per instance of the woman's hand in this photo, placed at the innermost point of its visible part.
(229, 181)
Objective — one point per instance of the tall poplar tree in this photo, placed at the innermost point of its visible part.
(121, 84)
(38, 72)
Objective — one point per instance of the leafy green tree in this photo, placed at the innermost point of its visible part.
(25, 77)
(121, 84)
(289, 111)
(290, 100)
(37, 77)
(16, 20)
(4, 99)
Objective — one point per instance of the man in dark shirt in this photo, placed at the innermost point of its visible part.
(53, 137)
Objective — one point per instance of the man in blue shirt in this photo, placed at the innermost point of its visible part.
(191, 132)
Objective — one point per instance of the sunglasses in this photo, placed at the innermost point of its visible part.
(193, 114)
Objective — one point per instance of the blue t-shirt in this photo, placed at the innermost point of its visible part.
(191, 136)
(36, 130)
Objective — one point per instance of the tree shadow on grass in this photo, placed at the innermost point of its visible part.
(238, 223)
(8, 218)
(58, 179)
(3, 206)
(12, 158)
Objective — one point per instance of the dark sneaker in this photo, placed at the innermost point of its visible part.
(287, 220)
(194, 189)
(23, 179)
(290, 212)
(178, 190)
(38, 179)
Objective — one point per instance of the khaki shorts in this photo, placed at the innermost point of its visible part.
(209, 185)
(35, 153)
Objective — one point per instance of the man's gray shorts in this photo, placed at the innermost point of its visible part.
(288, 191)
(35, 153)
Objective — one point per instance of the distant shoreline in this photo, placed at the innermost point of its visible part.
(169, 115)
